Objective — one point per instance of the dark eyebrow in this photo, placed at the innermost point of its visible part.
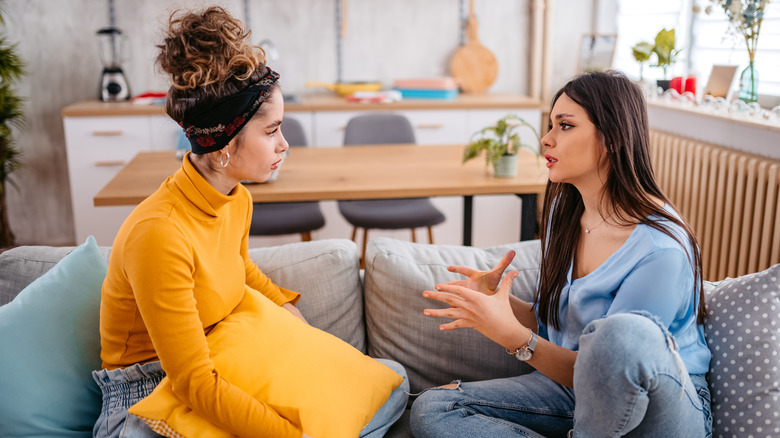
(274, 124)
(563, 116)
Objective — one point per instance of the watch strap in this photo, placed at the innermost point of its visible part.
(526, 352)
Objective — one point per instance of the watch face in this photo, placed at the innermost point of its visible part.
(524, 354)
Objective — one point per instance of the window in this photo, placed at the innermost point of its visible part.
(704, 38)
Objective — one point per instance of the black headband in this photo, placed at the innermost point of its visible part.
(212, 128)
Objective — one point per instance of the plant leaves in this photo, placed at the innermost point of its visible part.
(642, 51)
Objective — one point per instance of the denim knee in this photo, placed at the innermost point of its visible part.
(624, 337)
(432, 402)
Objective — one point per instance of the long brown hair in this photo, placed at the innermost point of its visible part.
(616, 106)
(207, 56)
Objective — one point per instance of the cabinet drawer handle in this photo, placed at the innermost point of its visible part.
(430, 126)
(107, 133)
(110, 163)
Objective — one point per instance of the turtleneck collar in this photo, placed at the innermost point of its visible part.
(198, 191)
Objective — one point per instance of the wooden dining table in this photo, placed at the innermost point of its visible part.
(359, 172)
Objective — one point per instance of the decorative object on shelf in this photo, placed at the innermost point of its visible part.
(427, 88)
(11, 105)
(664, 51)
(663, 48)
(745, 17)
(501, 143)
(642, 52)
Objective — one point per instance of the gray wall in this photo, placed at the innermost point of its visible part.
(385, 39)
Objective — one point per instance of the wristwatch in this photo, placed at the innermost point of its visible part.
(526, 352)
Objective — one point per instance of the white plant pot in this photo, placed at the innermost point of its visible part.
(505, 167)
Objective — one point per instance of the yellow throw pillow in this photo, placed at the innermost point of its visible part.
(308, 376)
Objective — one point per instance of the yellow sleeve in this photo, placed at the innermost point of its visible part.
(159, 265)
(259, 281)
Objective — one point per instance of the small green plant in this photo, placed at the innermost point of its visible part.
(500, 139)
(642, 52)
(663, 48)
(11, 70)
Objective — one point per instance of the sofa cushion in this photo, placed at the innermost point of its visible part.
(397, 273)
(50, 344)
(743, 333)
(335, 398)
(327, 274)
(20, 266)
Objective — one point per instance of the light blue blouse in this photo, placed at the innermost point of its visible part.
(650, 271)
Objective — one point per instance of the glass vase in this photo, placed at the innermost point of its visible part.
(748, 84)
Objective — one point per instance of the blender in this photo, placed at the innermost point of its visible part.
(113, 84)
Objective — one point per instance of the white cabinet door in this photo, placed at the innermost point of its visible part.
(329, 127)
(163, 133)
(98, 147)
(438, 127)
(430, 127)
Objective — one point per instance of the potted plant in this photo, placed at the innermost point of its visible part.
(11, 69)
(501, 143)
(642, 52)
(664, 50)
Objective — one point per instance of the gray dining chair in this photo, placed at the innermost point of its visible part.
(278, 218)
(386, 214)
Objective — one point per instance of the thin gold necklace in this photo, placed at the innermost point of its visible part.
(588, 230)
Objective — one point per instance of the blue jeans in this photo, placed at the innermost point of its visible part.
(628, 378)
(122, 388)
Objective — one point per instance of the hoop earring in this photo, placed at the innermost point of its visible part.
(222, 157)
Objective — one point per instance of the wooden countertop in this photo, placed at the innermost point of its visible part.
(320, 102)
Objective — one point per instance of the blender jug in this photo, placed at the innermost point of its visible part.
(113, 84)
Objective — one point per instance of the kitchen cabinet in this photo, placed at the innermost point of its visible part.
(101, 137)
(97, 147)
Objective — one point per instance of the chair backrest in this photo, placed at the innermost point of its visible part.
(292, 130)
(378, 128)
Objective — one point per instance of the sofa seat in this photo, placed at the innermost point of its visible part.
(380, 313)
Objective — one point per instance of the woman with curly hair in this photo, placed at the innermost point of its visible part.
(615, 331)
(180, 263)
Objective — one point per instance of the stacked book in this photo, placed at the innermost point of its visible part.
(432, 88)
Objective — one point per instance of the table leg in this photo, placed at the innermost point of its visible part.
(528, 225)
(468, 217)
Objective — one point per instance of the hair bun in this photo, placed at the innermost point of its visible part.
(203, 48)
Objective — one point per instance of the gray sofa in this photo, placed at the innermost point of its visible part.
(379, 311)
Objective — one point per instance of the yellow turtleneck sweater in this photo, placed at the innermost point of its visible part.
(179, 265)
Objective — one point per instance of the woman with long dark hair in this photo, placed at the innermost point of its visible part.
(615, 330)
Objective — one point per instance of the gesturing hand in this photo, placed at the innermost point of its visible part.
(491, 315)
(481, 281)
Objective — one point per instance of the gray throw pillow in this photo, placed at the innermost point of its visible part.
(397, 272)
(743, 333)
(21, 265)
(327, 275)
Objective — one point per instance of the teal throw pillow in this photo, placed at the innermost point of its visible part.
(49, 345)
